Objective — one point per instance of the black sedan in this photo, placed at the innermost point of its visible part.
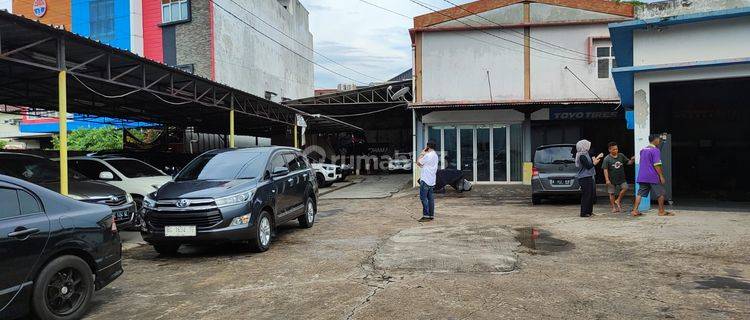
(55, 252)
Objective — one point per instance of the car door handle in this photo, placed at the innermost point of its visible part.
(22, 233)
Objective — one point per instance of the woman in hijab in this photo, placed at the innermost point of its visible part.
(585, 176)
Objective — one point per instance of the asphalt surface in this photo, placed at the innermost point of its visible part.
(486, 256)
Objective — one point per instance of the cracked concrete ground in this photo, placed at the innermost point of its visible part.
(694, 265)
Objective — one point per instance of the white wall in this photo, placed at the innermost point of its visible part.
(249, 61)
(705, 41)
(455, 65)
(504, 116)
(136, 27)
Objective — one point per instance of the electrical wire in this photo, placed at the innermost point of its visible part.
(101, 94)
(421, 4)
(303, 44)
(169, 102)
(386, 9)
(285, 47)
(516, 32)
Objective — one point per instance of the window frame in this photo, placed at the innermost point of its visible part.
(177, 3)
(100, 21)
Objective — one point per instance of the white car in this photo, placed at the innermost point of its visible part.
(326, 174)
(134, 176)
(400, 161)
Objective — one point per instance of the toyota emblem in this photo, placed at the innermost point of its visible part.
(183, 203)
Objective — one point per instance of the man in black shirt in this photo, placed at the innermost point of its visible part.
(614, 174)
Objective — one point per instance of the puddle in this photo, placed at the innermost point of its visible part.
(540, 241)
(725, 283)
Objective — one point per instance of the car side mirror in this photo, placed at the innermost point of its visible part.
(106, 175)
(280, 171)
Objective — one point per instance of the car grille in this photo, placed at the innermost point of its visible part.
(112, 201)
(202, 220)
(201, 213)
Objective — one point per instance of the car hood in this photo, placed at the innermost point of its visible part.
(86, 189)
(194, 189)
(158, 180)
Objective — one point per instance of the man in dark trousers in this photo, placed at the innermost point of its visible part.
(651, 176)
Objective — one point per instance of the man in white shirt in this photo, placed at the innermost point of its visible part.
(428, 161)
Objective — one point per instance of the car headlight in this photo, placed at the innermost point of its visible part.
(149, 202)
(128, 198)
(234, 199)
(241, 220)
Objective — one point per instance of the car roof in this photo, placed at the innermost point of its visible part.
(21, 155)
(265, 150)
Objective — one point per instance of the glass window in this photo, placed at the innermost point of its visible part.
(278, 161)
(467, 152)
(499, 157)
(433, 134)
(291, 162)
(90, 168)
(28, 203)
(450, 149)
(9, 199)
(555, 155)
(605, 61)
(222, 166)
(516, 153)
(132, 168)
(174, 10)
(102, 20)
(483, 154)
(302, 162)
(33, 169)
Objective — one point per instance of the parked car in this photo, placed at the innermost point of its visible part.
(46, 173)
(400, 162)
(231, 195)
(554, 172)
(326, 174)
(132, 175)
(55, 252)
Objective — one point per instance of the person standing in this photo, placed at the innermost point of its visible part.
(428, 161)
(614, 174)
(586, 172)
(651, 176)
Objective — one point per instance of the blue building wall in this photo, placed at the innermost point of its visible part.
(80, 11)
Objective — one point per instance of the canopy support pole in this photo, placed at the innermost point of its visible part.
(231, 122)
(63, 124)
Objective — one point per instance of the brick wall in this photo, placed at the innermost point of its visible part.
(193, 39)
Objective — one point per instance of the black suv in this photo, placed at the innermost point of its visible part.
(54, 251)
(231, 195)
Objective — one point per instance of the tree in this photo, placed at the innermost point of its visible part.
(94, 139)
(3, 143)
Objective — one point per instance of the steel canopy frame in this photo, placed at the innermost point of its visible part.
(43, 67)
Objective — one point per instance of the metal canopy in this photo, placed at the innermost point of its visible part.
(110, 82)
(362, 100)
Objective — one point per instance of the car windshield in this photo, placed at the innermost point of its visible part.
(132, 168)
(35, 170)
(555, 155)
(223, 166)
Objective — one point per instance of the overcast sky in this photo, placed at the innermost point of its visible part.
(364, 38)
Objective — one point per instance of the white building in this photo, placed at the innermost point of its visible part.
(495, 79)
(684, 69)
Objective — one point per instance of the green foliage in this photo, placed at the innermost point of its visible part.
(3, 143)
(95, 139)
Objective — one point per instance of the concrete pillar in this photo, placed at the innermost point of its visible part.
(526, 129)
(420, 142)
(63, 118)
(642, 116)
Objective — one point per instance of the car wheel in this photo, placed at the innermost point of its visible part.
(308, 219)
(536, 200)
(321, 179)
(167, 249)
(63, 289)
(263, 233)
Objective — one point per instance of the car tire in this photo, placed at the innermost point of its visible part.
(263, 232)
(67, 277)
(167, 249)
(320, 179)
(536, 200)
(308, 218)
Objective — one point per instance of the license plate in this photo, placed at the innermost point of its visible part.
(560, 181)
(121, 215)
(179, 231)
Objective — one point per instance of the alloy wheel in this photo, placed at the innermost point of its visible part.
(310, 212)
(265, 231)
(66, 292)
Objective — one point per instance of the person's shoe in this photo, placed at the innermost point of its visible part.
(425, 219)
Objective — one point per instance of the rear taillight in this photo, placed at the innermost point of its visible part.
(534, 172)
(114, 225)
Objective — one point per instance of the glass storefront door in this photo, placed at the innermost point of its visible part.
(485, 153)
